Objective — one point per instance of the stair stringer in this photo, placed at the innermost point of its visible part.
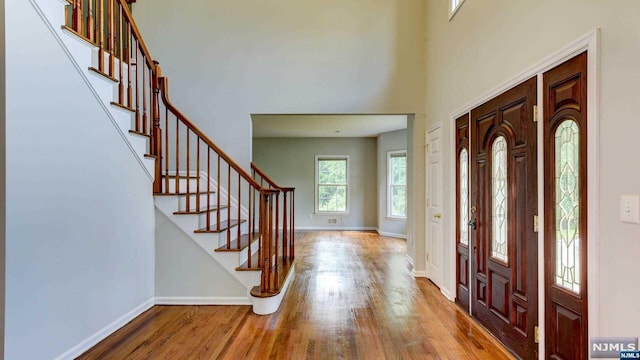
(167, 205)
(83, 55)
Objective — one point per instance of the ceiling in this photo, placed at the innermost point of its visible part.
(326, 125)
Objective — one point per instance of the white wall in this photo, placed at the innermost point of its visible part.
(396, 140)
(80, 214)
(2, 176)
(489, 42)
(183, 269)
(291, 162)
(227, 59)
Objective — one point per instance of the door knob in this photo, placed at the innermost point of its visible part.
(473, 224)
(437, 215)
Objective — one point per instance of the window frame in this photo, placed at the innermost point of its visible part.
(453, 9)
(317, 184)
(390, 155)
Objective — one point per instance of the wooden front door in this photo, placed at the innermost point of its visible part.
(462, 211)
(504, 195)
(565, 202)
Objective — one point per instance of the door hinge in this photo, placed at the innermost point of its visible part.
(428, 202)
(536, 334)
(427, 257)
(535, 113)
(427, 147)
(536, 223)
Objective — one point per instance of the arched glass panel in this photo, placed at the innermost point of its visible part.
(463, 162)
(567, 211)
(499, 247)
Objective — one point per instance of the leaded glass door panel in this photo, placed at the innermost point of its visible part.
(565, 115)
(504, 251)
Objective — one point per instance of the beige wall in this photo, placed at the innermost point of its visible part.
(291, 162)
(227, 59)
(487, 43)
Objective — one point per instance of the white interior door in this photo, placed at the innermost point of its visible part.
(433, 212)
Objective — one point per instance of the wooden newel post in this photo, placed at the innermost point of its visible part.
(156, 132)
(264, 241)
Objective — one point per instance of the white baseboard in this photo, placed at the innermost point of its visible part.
(202, 300)
(389, 234)
(419, 273)
(106, 331)
(448, 294)
(336, 228)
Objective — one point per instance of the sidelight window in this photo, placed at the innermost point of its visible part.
(567, 211)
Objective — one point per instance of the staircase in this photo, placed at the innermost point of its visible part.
(243, 220)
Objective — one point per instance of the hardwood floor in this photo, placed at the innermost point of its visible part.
(353, 297)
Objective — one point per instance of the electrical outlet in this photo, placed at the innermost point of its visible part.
(630, 209)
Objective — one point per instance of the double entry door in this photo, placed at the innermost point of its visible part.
(497, 187)
(497, 244)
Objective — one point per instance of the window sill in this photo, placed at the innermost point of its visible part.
(396, 218)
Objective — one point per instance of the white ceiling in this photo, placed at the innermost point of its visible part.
(325, 125)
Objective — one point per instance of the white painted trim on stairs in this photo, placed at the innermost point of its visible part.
(201, 300)
(106, 331)
(389, 234)
(56, 34)
(335, 228)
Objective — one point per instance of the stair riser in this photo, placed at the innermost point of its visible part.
(244, 255)
(182, 201)
(213, 218)
(234, 234)
(182, 185)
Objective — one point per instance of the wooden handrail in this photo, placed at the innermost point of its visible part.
(164, 89)
(136, 31)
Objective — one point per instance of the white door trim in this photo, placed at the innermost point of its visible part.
(589, 42)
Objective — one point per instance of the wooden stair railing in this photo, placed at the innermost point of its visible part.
(287, 209)
(227, 199)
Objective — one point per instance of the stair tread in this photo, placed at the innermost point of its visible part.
(123, 107)
(201, 211)
(283, 271)
(140, 133)
(227, 224)
(103, 74)
(244, 243)
(181, 176)
(186, 193)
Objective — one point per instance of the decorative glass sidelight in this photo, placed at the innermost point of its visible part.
(463, 162)
(567, 207)
(499, 248)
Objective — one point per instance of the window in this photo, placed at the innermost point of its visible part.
(454, 6)
(397, 184)
(332, 182)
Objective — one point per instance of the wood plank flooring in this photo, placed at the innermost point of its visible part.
(353, 297)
